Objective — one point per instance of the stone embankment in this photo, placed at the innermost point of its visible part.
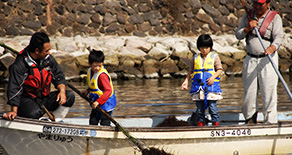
(141, 39)
(141, 57)
(128, 17)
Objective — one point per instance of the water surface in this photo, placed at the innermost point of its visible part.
(162, 97)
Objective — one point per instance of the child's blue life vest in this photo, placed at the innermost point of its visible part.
(202, 72)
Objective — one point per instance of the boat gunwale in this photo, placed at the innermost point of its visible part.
(151, 129)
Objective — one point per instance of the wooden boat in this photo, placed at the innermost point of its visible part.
(74, 137)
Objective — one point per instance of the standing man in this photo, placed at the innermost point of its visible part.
(258, 72)
(30, 77)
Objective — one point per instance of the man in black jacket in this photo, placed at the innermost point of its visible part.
(29, 82)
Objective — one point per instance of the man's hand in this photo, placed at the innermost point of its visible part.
(251, 26)
(61, 98)
(270, 50)
(10, 115)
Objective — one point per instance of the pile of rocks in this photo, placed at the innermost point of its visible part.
(131, 57)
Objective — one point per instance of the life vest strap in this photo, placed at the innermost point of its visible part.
(202, 70)
(94, 89)
(268, 19)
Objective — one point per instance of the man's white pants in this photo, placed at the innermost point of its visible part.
(259, 74)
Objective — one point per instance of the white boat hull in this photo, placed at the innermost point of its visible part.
(27, 136)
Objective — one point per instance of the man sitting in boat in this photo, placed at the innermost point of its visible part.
(29, 83)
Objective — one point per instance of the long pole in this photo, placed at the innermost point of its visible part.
(271, 60)
(274, 65)
(9, 48)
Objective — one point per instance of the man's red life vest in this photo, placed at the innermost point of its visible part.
(268, 19)
(38, 80)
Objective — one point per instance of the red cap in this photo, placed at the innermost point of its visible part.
(259, 1)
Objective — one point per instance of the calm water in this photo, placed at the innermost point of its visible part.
(158, 97)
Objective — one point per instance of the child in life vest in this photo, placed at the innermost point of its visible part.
(204, 75)
(100, 89)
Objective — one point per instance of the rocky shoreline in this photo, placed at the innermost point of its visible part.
(131, 57)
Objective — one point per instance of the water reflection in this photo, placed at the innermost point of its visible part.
(157, 97)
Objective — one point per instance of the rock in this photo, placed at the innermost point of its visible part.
(182, 73)
(35, 25)
(129, 10)
(2, 49)
(71, 47)
(152, 15)
(130, 28)
(111, 58)
(6, 60)
(130, 51)
(139, 44)
(235, 69)
(67, 63)
(193, 47)
(113, 43)
(108, 19)
(239, 55)
(180, 49)
(230, 39)
(168, 66)
(12, 30)
(227, 60)
(82, 63)
(284, 53)
(136, 19)
(128, 76)
(114, 76)
(285, 64)
(84, 19)
(210, 10)
(185, 63)
(158, 53)
(204, 18)
(149, 70)
(70, 69)
(288, 43)
(139, 34)
(144, 27)
(166, 75)
(221, 49)
(113, 28)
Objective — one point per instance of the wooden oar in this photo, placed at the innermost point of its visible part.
(135, 141)
(271, 60)
(50, 115)
(9, 48)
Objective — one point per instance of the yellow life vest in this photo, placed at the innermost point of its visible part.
(202, 72)
(95, 92)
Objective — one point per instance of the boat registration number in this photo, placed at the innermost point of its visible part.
(61, 130)
(236, 132)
